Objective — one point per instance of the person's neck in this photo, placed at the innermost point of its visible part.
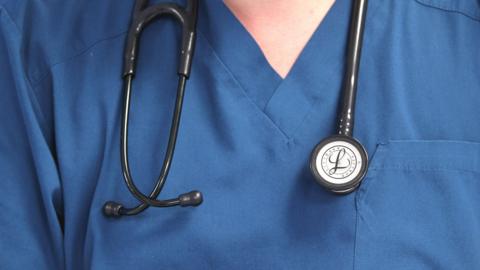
(281, 28)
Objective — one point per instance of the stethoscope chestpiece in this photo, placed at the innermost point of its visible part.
(339, 163)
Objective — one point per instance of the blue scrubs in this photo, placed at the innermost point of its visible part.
(245, 140)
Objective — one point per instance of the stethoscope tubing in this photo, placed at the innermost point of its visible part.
(187, 17)
(344, 141)
(142, 16)
(147, 201)
(346, 119)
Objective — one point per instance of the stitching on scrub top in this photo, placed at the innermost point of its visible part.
(34, 83)
(426, 168)
(364, 188)
(214, 53)
(375, 7)
(428, 162)
(35, 86)
(80, 53)
(311, 105)
(449, 8)
(355, 238)
(94, 44)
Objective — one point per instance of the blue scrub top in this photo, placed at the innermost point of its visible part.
(245, 140)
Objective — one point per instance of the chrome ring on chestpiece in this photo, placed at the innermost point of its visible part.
(339, 163)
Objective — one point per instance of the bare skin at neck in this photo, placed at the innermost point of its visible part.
(281, 28)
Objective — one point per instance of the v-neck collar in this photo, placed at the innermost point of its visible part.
(238, 51)
(314, 79)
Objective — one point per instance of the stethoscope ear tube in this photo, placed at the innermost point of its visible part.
(339, 162)
(141, 18)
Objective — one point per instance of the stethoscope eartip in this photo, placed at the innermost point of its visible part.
(112, 209)
(192, 198)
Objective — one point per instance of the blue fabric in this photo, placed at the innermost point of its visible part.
(245, 140)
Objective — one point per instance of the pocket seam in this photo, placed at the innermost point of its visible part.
(369, 210)
(426, 162)
(383, 148)
(372, 170)
(449, 7)
(424, 169)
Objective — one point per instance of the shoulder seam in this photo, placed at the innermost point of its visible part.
(33, 83)
(50, 65)
(71, 57)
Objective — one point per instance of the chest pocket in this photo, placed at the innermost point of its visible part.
(419, 207)
(469, 8)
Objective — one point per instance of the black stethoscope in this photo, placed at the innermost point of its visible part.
(338, 163)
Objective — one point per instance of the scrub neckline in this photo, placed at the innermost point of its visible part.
(315, 77)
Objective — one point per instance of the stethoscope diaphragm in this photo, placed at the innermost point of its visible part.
(339, 163)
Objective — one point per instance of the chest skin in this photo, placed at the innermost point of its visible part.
(280, 30)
